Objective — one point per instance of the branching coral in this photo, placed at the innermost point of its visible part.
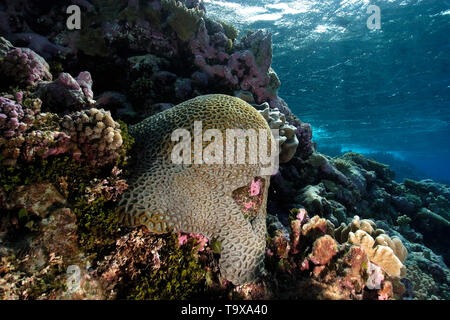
(14, 122)
(91, 136)
(96, 136)
(13, 119)
(24, 67)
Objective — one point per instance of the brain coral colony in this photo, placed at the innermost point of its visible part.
(93, 208)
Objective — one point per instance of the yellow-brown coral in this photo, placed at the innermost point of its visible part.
(198, 198)
(389, 254)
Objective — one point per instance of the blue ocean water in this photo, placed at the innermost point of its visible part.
(377, 92)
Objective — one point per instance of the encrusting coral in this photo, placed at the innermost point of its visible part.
(199, 198)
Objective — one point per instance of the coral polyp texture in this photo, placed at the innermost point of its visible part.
(13, 119)
(96, 136)
(198, 198)
(25, 67)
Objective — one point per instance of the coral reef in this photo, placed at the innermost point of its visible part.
(68, 180)
(311, 257)
(387, 253)
(90, 136)
(13, 119)
(50, 251)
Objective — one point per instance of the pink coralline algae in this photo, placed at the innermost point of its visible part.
(248, 205)
(45, 144)
(182, 239)
(109, 188)
(249, 198)
(255, 187)
(200, 240)
(25, 67)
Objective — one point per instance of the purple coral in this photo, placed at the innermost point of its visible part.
(84, 80)
(67, 94)
(24, 66)
(92, 136)
(13, 119)
(45, 144)
(16, 139)
(247, 68)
